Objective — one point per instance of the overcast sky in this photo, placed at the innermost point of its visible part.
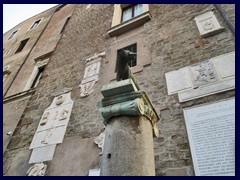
(13, 14)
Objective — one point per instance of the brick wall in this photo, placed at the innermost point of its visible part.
(173, 41)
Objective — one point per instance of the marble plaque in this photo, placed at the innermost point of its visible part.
(206, 90)
(211, 133)
(42, 154)
(91, 74)
(225, 65)
(53, 124)
(203, 73)
(178, 80)
(94, 172)
(207, 24)
(91, 69)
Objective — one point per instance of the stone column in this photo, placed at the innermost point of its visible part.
(130, 121)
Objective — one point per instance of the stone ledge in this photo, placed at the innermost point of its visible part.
(130, 24)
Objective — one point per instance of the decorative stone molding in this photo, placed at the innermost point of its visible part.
(6, 70)
(38, 169)
(123, 98)
(91, 74)
(208, 24)
(100, 141)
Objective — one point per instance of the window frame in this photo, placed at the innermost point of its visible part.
(13, 34)
(132, 7)
(22, 45)
(39, 66)
(32, 25)
(118, 27)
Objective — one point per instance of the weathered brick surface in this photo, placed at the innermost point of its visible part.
(173, 40)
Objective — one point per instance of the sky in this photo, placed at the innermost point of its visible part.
(13, 14)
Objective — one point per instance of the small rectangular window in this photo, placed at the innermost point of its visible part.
(35, 24)
(22, 45)
(37, 78)
(12, 35)
(131, 11)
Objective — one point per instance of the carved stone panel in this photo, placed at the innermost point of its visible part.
(91, 74)
(42, 154)
(51, 128)
(225, 65)
(204, 78)
(207, 24)
(211, 133)
(178, 80)
(38, 169)
(203, 73)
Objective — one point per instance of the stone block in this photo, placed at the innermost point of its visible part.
(177, 172)
(14, 143)
(119, 87)
(25, 121)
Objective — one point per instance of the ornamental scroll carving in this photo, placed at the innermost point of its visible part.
(37, 169)
(91, 74)
(207, 24)
(100, 141)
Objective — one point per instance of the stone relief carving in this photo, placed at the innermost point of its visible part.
(38, 169)
(53, 125)
(204, 78)
(207, 24)
(44, 119)
(59, 100)
(86, 89)
(47, 136)
(202, 73)
(64, 114)
(100, 141)
(91, 74)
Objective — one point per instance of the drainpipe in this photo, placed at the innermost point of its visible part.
(226, 18)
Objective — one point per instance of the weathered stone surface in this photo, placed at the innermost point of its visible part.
(14, 143)
(74, 157)
(19, 165)
(186, 171)
(25, 121)
(128, 147)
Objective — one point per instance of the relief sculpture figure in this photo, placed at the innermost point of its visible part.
(38, 169)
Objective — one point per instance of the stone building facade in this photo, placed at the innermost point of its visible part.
(180, 63)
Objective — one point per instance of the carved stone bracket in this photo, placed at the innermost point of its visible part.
(126, 100)
(100, 141)
(91, 74)
(37, 169)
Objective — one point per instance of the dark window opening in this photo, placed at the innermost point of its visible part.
(66, 22)
(22, 45)
(12, 35)
(133, 61)
(35, 24)
(131, 11)
(37, 78)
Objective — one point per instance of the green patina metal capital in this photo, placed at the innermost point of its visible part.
(124, 98)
